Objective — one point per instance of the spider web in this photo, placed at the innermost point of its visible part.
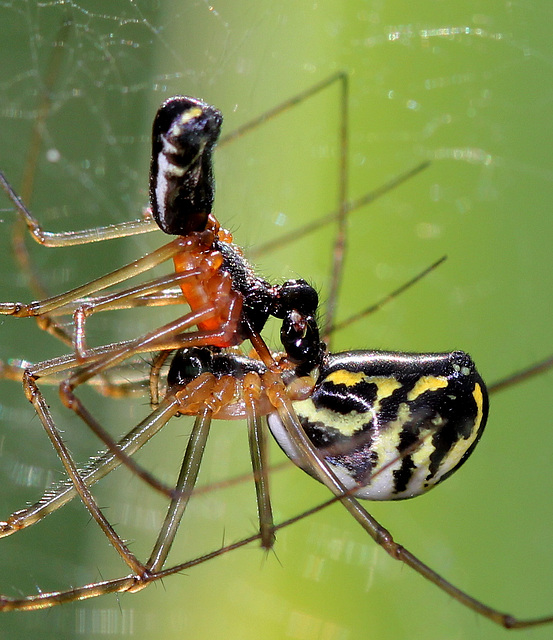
(464, 85)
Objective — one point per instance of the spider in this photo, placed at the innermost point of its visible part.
(366, 424)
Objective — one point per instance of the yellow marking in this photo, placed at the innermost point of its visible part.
(421, 455)
(175, 170)
(194, 112)
(343, 376)
(386, 442)
(427, 383)
(479, 399)
(354, 421)
(463, 445)
(346, 425)
(385, 386)
(455, 454)
(178, 127)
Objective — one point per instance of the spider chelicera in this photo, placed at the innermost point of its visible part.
(367, 424)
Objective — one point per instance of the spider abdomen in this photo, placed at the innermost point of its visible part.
(392, 424)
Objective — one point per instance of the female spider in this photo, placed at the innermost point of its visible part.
(378, 425)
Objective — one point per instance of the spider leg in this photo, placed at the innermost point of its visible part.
(136, 267)
(81, 487)
(284, 106)
(350, 207)
(155, 371)
(204, 396)
(97, 468)
(118, 585)
(142, 576)
(260, 463)
(153, 292)
(100, 361)
(123, 381)
(69, 238)
(126, 584)
(226, 308)
(46, 600)
(74, 403)
(252, 390)
(49, 239)
(533, 370)
(126, 348)
(168, 336)
(154, 341)
(125, 299)
(320, 469)
(375, 306)
(183, 490)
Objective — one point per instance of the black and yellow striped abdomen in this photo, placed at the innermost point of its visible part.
(392, 424)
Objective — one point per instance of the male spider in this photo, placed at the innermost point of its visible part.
(431, 407)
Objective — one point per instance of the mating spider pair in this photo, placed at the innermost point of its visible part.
(366, 424)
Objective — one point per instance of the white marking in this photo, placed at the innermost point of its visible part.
(168, 147)
(380, 487)
(165, 169)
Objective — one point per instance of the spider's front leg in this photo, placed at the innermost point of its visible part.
(70, 238)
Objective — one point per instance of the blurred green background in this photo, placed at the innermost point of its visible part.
(465, 85)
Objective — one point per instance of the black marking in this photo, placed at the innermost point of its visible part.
(181, 172)
(188, 364)
(441, 409)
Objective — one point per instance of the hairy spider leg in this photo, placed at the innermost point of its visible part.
(279, 396)
(203, 396)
